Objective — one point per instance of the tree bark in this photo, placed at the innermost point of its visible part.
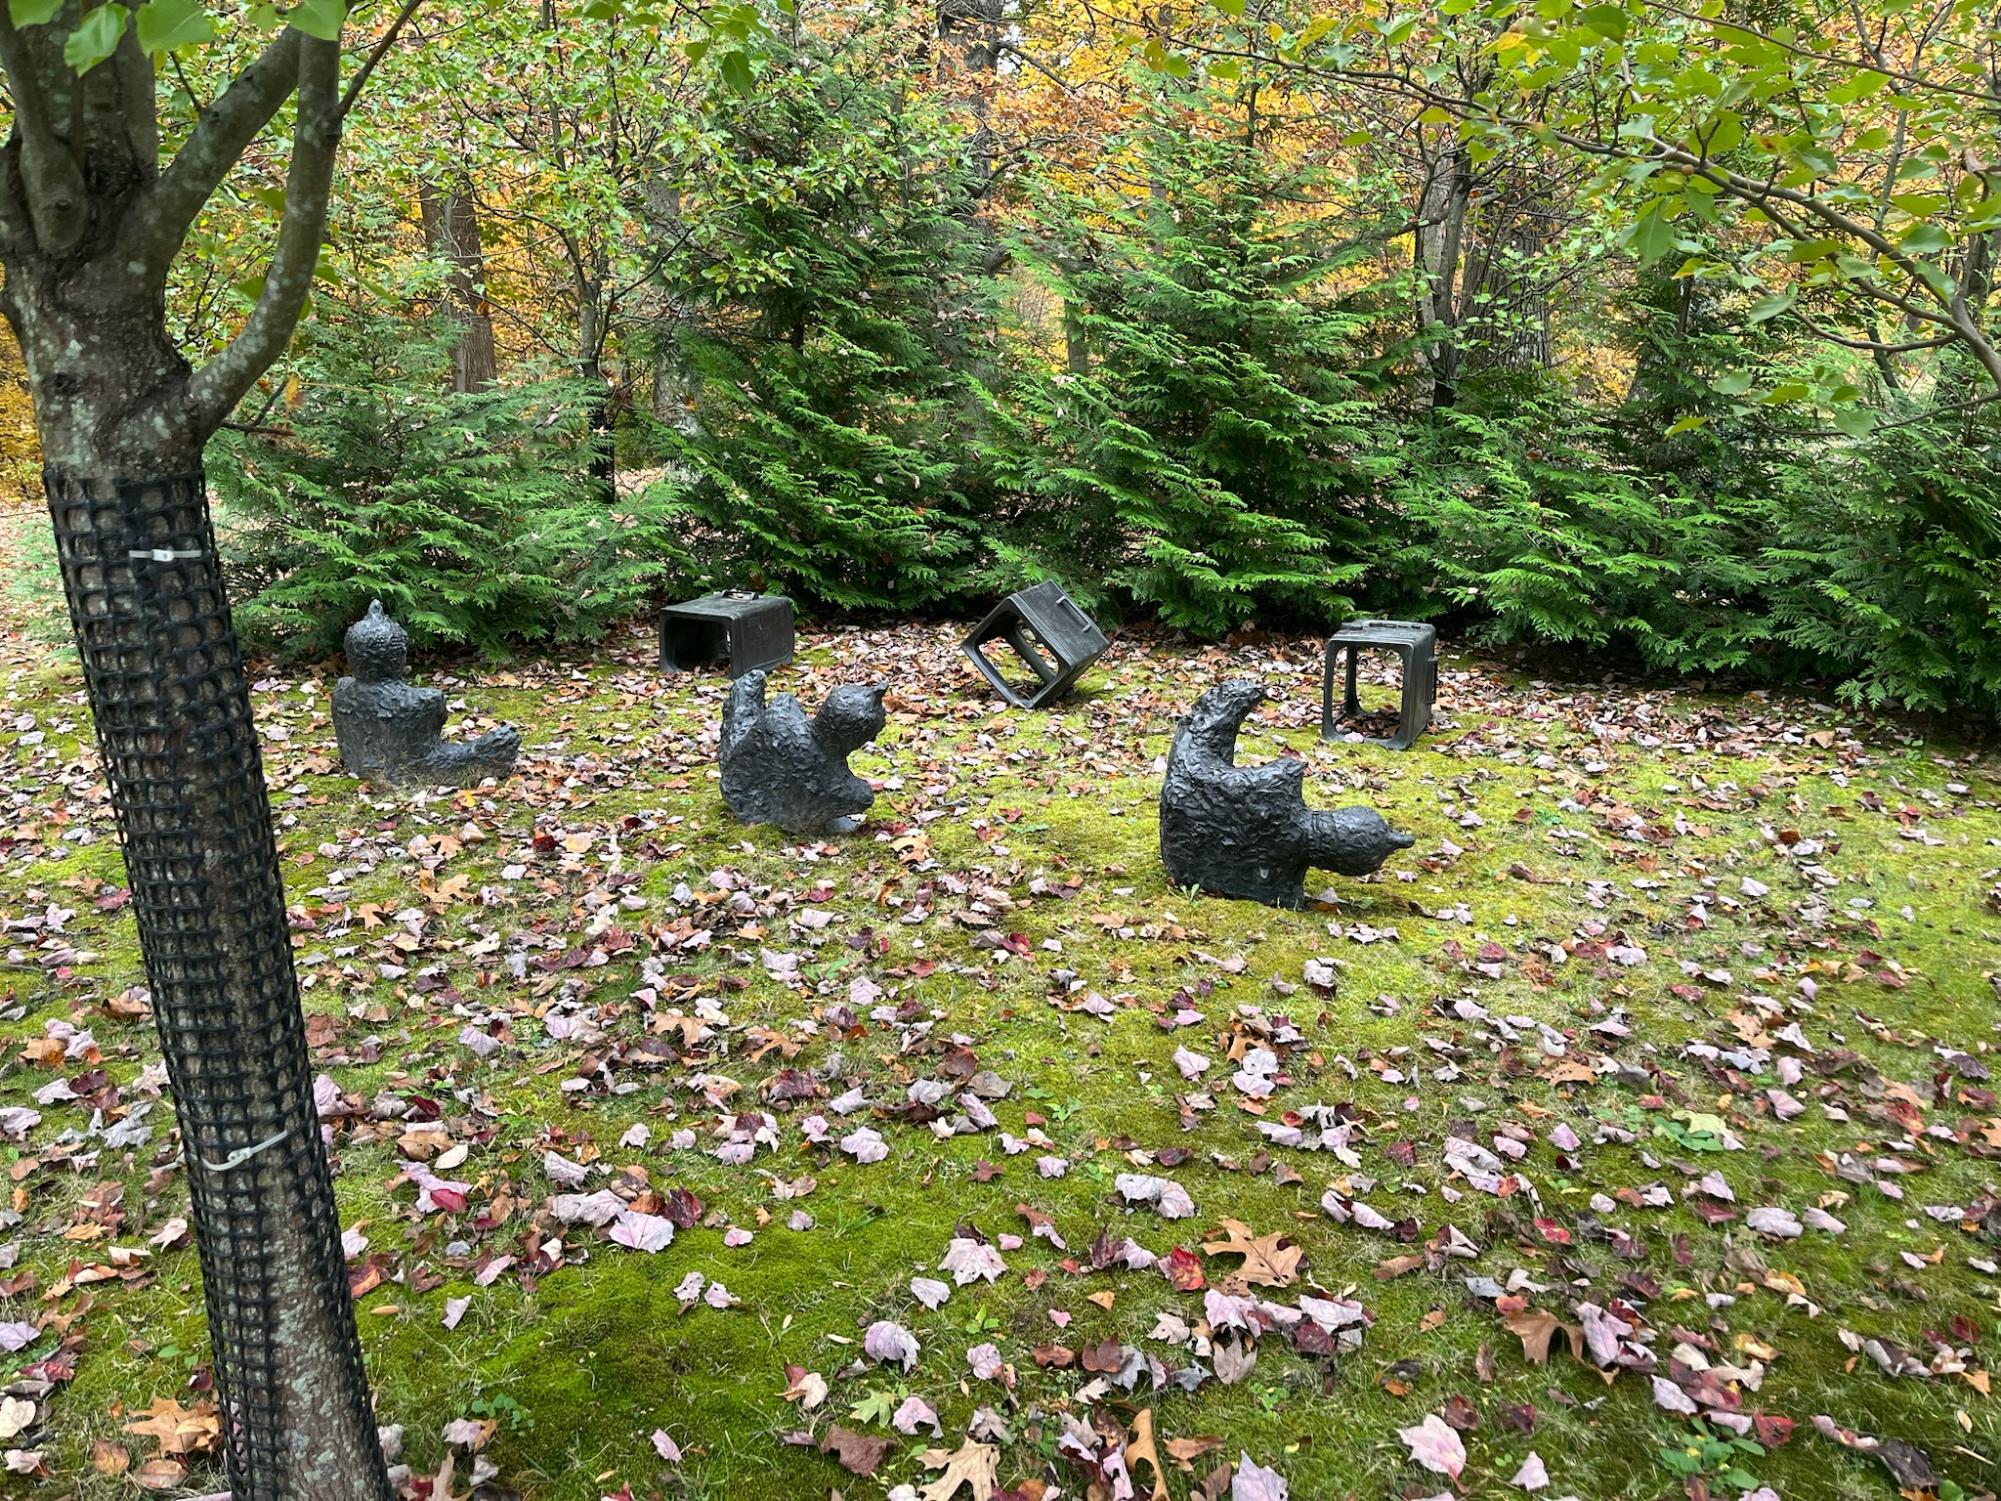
(89, 226)
(451, 231)
(171, 703)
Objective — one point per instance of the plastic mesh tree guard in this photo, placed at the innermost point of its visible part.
(172, 706)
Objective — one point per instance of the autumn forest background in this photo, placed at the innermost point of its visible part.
(1655, 332)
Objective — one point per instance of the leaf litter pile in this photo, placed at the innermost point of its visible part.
(1632, 1135)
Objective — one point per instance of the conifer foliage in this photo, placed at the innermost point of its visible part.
(1210, 455)
(470, 516)
(831, 255)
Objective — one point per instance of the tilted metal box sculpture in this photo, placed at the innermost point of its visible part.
(388, 728)
(779, 767)
(1245, 831)
(734, 628)
(1415, 644)
(1045, 628)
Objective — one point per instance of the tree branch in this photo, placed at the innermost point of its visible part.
(375, 55)
(51, 177)
(215, 389)
(159, 220)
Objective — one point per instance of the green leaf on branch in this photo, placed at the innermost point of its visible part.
(736, 71)
(1653, 237)
(33, 12)
(95, 38)
(319, 18)
(1767, 308)
(167, 24)
(1609, 21)
(1925, 239)
(1857, 422)
(1726, 133)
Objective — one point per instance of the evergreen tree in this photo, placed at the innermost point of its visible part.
(1214, 454)
(828, 246)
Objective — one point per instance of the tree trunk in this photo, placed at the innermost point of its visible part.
(590, 369)
(451, 231)
(90, 224)
(1442, 206)
(171, 703)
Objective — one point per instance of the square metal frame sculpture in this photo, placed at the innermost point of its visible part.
(1045, 628)
(1415, 644)
(741, 630)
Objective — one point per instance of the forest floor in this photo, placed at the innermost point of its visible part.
(1631, 1135)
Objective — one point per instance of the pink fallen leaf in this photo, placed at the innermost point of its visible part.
(1253, 1482)
(890, 1344)
(1435, 1444)
(1533, 1475)
(916, 1413)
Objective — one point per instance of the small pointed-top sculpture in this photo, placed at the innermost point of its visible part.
(388, 728)
(1246, 831)
(779, 767)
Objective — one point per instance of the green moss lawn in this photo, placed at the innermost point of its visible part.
(1634, 1130)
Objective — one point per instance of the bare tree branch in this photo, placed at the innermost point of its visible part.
(51, 177)
(160, 218)
(215, 389)
(375, 55)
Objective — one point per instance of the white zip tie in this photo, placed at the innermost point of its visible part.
(166, 554)
(241, 1155)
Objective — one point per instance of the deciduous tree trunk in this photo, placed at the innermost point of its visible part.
(451, 230)
(89, 225)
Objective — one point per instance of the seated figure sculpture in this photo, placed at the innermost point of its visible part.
(1245, 831)
(388, 729)
(779, 767)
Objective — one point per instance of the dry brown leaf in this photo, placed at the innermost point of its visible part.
(973, 1467)
(1267, 1261)
(1537, 1326)
(1185, 1451)
(180, 1430)
(1141, 1447)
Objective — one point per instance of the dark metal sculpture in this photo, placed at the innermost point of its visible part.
(1052, 636)
(1415, 644)
(779, 767)
(1245, 831)
(745, 632)
(388, 729)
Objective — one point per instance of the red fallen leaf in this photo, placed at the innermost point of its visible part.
(1173, 1156)
(1309, 1338)
(1106, 1358)
(858, 1453)
(1519, 1419)
(985, 1172)
(1184, 1270)
(1054, 1357)
(683, 1208)
(449, 1199)
(1772, 1429)
(1461, 1414)
(1552, 1232)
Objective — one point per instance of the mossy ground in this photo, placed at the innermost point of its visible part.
(1009, 871)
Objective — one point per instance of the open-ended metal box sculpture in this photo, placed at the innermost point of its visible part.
(1416, 645)
(1043, 626)
(734, 629)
